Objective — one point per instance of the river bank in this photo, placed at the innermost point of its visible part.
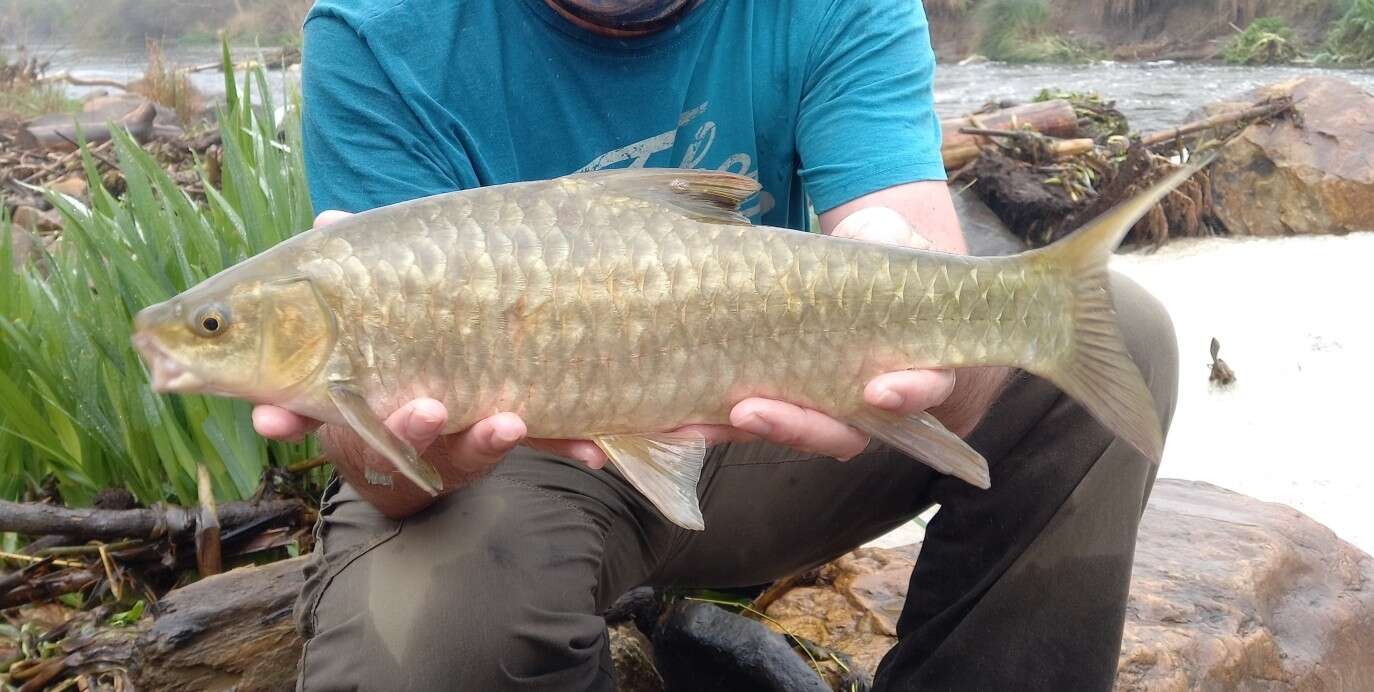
(1152, 94)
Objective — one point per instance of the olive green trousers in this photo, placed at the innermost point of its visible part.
(500, 585)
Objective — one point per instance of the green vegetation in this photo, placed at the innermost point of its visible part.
(22, 95)
(1267, 41)
(1018, 31)
(1097, 118)
(1351, 39)
(77, 406)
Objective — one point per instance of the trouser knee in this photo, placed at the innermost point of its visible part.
(1149, 334)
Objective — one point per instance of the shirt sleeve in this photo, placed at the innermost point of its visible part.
(362, 142)
(867, 117)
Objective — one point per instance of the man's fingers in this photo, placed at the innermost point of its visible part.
(418, 422)
(485, 443)
(330, 216)
(278, 423)
(800, 428)
(718, 434)
(909, 391)
(581, 450)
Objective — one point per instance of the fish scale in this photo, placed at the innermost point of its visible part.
(589, 325)
(619, 306)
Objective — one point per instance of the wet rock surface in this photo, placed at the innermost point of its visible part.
(1228, 593)
(986, 234)
(1309, 173)
(853, 606)
(632, 656)
(1233, 593)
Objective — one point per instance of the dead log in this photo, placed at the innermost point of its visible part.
(33, 519)
(1054, 118)
(1264, 109)
(73, 80)
(1049, 148)
(229, 631)
(20, 590)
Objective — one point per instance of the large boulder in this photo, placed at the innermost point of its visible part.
(1309, 173)
(1228, 593)
(1232, 593)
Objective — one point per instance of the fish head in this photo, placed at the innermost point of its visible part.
(259, 340)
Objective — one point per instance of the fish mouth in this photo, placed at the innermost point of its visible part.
(168, 375)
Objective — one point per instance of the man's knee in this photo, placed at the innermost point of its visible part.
(490, 589)
(1149, 334)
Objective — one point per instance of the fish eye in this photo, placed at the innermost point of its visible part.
(210, 321)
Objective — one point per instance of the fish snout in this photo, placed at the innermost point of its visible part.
(153, 315)
(168, 375)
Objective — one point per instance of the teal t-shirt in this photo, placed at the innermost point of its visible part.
(829, 99)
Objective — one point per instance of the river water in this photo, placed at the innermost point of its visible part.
(1152, 95)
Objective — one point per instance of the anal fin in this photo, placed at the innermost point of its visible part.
(375, 433)
(927, 439)
(665, 468)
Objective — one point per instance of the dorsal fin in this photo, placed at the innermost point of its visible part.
(710, 196)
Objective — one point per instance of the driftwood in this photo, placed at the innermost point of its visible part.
(1046, 148)
(69, 78)
(282, 58)
(41, 520)
(1055, 118)
(1265, 109)
(230, 631)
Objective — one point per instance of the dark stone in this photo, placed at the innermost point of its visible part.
(640, 605)
(632, 659)
(699, 646)
(987, 236)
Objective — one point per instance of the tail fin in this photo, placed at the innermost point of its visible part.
(1097, 371)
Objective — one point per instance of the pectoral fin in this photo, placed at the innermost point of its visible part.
(927, 439)
(373, 431)
(665, 468)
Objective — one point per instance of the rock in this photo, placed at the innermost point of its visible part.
(854, 605)
(1313, 173)
(32, 219)
(632, 657)
(1233, 593)
(984, 231)
(72, 186)
(699, 646)
(23, 246)
(117, 107)
(58, 132)
(1228, 593)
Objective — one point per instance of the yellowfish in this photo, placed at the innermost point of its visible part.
(618, 306)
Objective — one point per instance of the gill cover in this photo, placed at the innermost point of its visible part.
(298, 334)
